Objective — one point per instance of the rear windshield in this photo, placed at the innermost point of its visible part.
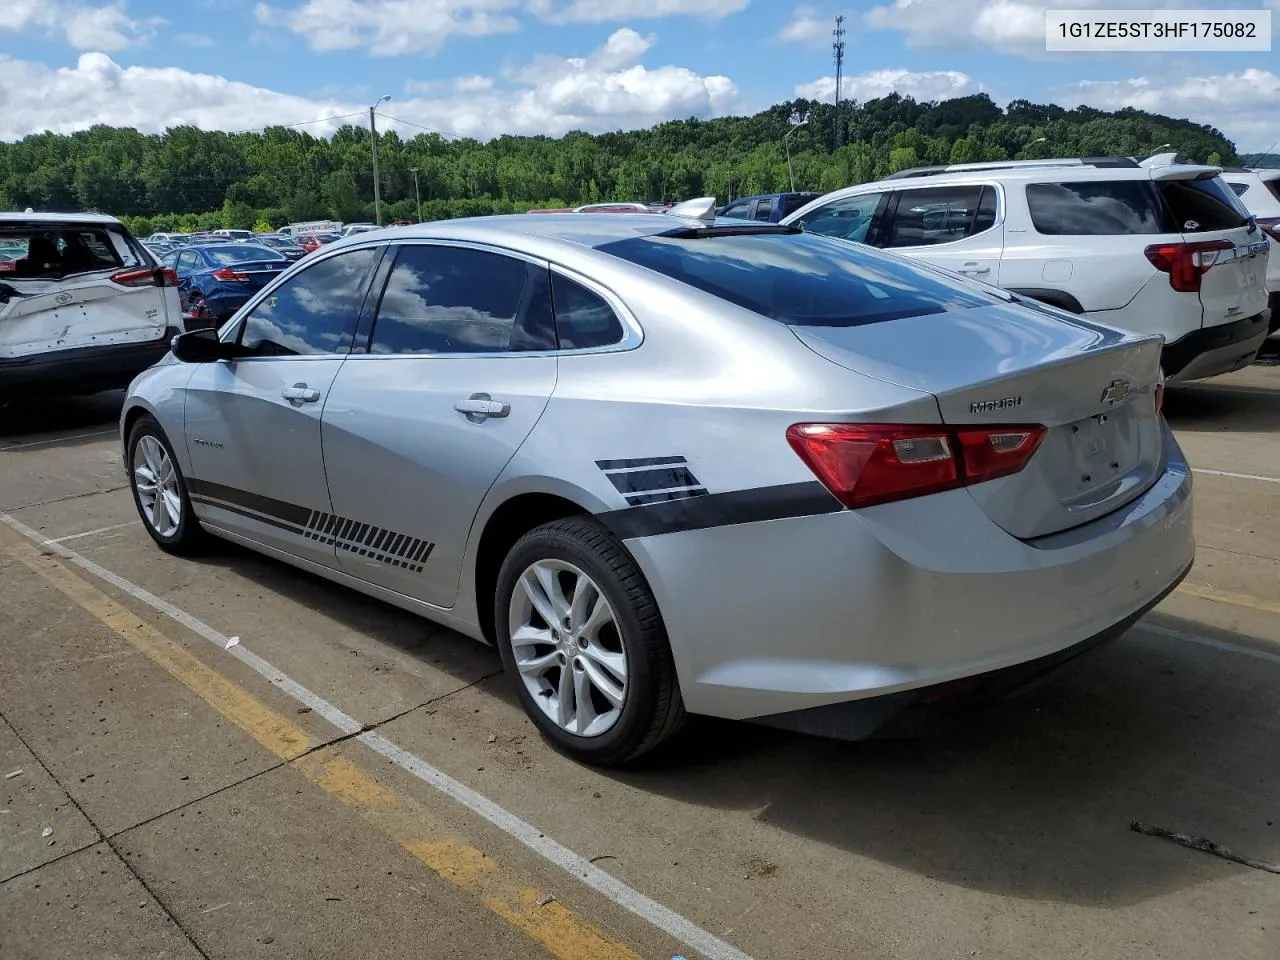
(241, 253)
(50, 251)
(1096, 208)
(1199, 206)
(798, 279)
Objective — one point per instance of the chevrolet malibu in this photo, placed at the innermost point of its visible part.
(673, 465)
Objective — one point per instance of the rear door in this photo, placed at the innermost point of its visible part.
(1205, 209)
(954, 226)
(72, 285)
(416, 431)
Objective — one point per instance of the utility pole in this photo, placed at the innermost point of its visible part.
(417, 194)
(837, 48)
(373, 139)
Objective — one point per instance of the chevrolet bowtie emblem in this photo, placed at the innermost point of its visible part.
(1116, 391)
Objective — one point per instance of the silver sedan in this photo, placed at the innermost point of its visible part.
(670, 465)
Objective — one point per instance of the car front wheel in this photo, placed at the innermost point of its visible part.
(580, 632)
(159, 490)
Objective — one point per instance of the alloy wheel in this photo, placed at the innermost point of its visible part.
(155, 478)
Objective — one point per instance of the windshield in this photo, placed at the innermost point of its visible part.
(49, 251)
(241, 253)
(799, 279)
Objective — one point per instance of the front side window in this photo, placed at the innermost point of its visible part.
(314, 312)
(932, 215)
(443, 299)
(846, 219)
(584, 319)
(1095, 208)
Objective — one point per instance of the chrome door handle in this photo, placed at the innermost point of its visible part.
(300, 393)
(480, 407)
(973, 268)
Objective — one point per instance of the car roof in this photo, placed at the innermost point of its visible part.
(98, 218)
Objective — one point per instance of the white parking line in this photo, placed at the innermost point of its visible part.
(90, 533)
(41, 443)
(1235, 476)
(663, 918)
(1208, 642)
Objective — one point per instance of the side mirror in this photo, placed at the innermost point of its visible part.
(203, 346)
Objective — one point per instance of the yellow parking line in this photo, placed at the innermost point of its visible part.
(523, 906)
(1235, 599)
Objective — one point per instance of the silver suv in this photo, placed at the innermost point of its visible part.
(1152, 247)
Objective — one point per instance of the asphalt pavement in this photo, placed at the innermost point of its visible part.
(227, 757)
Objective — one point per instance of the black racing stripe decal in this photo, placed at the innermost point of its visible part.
(805, 499)
(642, 462)
(645, 481)
(640, 499)
(275, 508)
(363, 539)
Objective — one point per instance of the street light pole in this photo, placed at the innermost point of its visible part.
(417, 194)
(373, 139)
(786, 142)
(1034, 142)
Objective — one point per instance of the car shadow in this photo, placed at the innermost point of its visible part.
(1032, 799)
(24, 421)
(1222, 407)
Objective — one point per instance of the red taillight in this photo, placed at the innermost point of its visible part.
(1271, 227)
(1160, 391)
(137, 278)
(226, 273)
(1186, 263)
(868, 463)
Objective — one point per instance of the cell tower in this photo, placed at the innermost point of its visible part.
(838, 49)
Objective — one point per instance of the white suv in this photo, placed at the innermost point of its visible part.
(83, 306)
(1156, 247)
(1259, 191)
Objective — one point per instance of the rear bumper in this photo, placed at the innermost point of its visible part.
(1211, 351)
(81, 370)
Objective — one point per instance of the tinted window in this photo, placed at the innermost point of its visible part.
(1239, 189)
(739, 211)
(583, 318)
(764, 210)
(1095, 208)
(314, 312)
(1197, 206)
(933, 215)
(48, 251)
(441, 299)
(793, 202)
(1274, 187)
(242, 253)
(799, 279)
(848, 219)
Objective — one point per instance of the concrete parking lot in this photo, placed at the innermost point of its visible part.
(226, 757)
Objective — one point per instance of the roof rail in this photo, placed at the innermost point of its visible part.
(1012, 165)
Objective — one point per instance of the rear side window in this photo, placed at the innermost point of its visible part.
(1199, 206)
(799, 279)
(51, 251)
(1095, 208)
(1274, 187)
(764, 210)
(738, 211)
(583, 318)
(1239, 189)
(934, 215)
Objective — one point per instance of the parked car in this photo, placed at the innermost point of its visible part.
(614, 207)
(214, 281)
(172, 238)
(1259, 191)
(818, 526)
(311, 242)
(285, 246)
(1158, 247)
(83, 306)
(767, 207)
(351, 228)
(234, 234)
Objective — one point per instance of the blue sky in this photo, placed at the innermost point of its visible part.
(486, 67)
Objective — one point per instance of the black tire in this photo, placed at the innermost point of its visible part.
(188, 537)
(652, 709)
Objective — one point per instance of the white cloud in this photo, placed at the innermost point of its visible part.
(607, 90)
(929, 85)
(807, 27)
(105, 27)
(195, 40)
(602, 11)
(1242, 105)
(389, 28)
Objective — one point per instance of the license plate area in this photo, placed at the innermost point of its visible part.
(1094, 445)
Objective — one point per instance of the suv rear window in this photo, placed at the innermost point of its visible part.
(1198, 206)
(50, 251)
(798, 279)
(1096, 208)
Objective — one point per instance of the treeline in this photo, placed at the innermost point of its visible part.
(188, 179)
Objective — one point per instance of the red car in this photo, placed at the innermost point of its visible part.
(311, 242)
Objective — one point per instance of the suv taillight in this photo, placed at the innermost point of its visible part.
(1271, 227)
(1186, 263)
(148, 277)
(868, 463)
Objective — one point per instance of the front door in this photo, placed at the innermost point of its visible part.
(253, 424)
(417, 429)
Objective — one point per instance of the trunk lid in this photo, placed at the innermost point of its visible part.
(260, 272)
(43, 315)
(1091, 386)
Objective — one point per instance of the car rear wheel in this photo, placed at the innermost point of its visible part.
(580, 633)
(159, 490)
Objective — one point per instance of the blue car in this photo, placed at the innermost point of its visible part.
(766, 207)
(215, 280)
